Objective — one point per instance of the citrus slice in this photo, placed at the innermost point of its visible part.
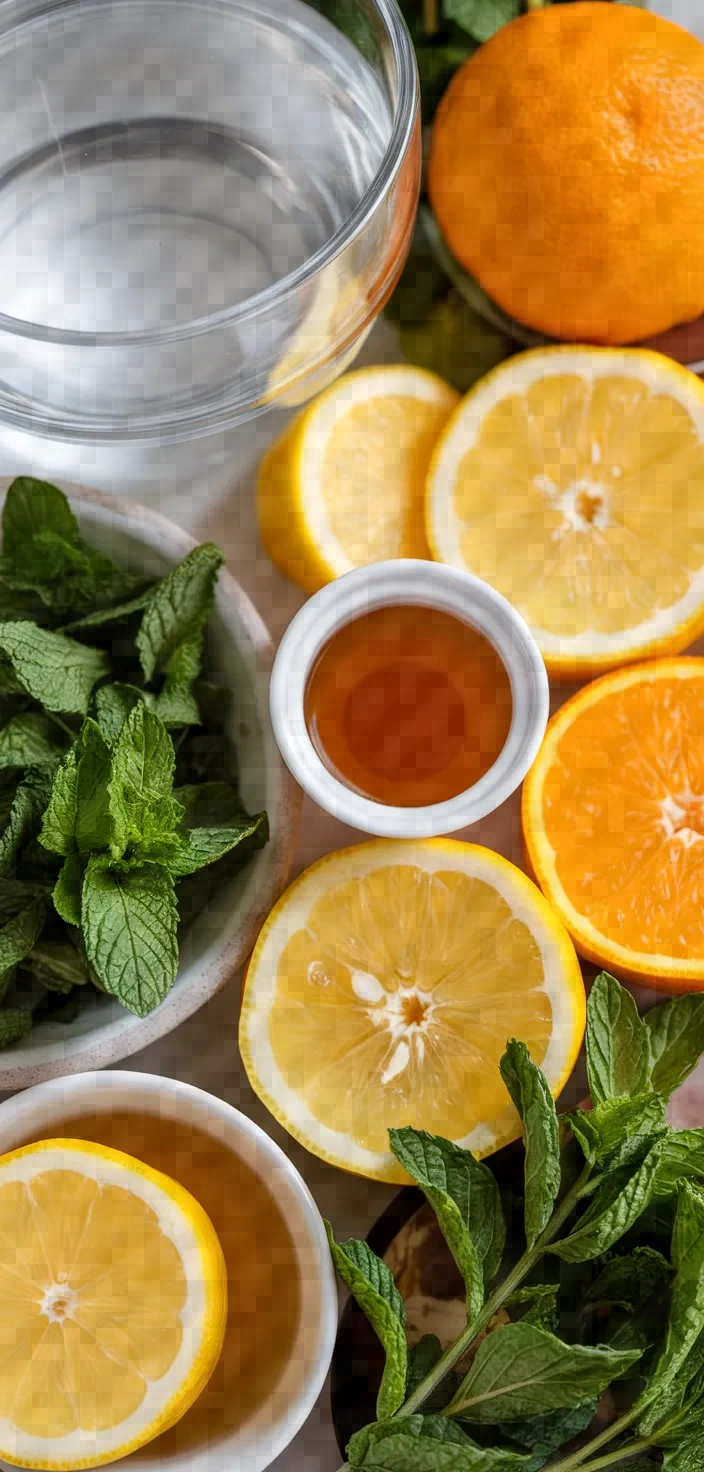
(613, 820)
(114, 1301)
(344, 485)
(382, 991)
(572, 479)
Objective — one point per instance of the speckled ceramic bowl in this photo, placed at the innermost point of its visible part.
(220, 940)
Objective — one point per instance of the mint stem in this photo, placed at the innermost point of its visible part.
(512, 1281)
(579, 1458)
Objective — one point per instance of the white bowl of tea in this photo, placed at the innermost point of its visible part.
(281, 1294)
(408, 698)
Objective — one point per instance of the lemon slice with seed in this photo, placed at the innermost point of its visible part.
(572, 479)
(382, 991)
(114, 1299)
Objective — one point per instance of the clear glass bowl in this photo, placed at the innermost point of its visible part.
(203, 206)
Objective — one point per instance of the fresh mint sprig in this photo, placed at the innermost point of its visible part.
(97, 810)
(527, 1385)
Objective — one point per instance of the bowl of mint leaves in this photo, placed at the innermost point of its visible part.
(146, 817)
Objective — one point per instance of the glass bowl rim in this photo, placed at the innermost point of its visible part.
(404, 120)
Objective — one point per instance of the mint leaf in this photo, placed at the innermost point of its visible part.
(615, 1208)
(15, 1023)
(57, 965)
(544, 1434)
(129, 927)
(542, 1304)
(686, 1319)
(618, 1042)
(67, 891)
(22, 914)
(685, 1385)
(28, 805)
(210, 805)
(676, 1032)
(31, 505)
(26, 741)
(620, 1131)
(373, 1289)
(465, 1198)
(522, 1371)
(682, 1159)
(202, 846)
(113, 704)
(481, 18)
(687, 1453)
(114, 614)
(421, 1359)
(626, 1282)
(531, 1095)
(142, 811)
(92, 821)
(175, 618)
(56, 671)
(59, 827)
(426, 1444)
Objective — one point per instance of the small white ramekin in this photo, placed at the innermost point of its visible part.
(432, 585)
(39, 1112)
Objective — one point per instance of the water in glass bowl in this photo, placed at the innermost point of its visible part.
(162, 160)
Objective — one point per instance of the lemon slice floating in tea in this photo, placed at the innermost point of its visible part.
(572, 479)
(114, 1301)
(383, 989)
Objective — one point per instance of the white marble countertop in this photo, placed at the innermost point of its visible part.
(207, 488)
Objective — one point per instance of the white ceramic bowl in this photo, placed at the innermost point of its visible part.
(431, 585)
(39, 1113)
(223, 936)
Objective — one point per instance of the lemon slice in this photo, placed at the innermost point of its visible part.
(382, 991)
(344, 485)
(572, 479)
(114, 1300)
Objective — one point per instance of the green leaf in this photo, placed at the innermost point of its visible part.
(620, 1131)
(481, 18)
(686, 1319)
(59, 827)
(176, 703)
(58, 965)
(687, 1455)
(544, 1434)
(15, 1023)
(454, 342)
(22, 914)
(143, 813)
(676, 1032)
(113, 704)
(625, 1282)
(618, 1042)
(25, 818)
(67, 891)
(178, 612)
(30, 505)
(56, 671)
(682, 1159)
(667, 1406)
(465, 1199)
(210, 805)
(373, 1289)
(114, 614)
(129, 927)
(203, 846)
(92, 823)
(542, 1304)
(531, 1095)
(521, 1371)
(421, 1359)
(613, 1211)
(26, 741)
(426, 1444)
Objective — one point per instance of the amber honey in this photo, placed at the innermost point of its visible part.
(262, 1272)
(407, 705)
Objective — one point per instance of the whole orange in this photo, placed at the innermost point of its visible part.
(566, 171)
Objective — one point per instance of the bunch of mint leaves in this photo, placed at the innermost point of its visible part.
(612, 1192)
(446, 322)
(107, 820)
